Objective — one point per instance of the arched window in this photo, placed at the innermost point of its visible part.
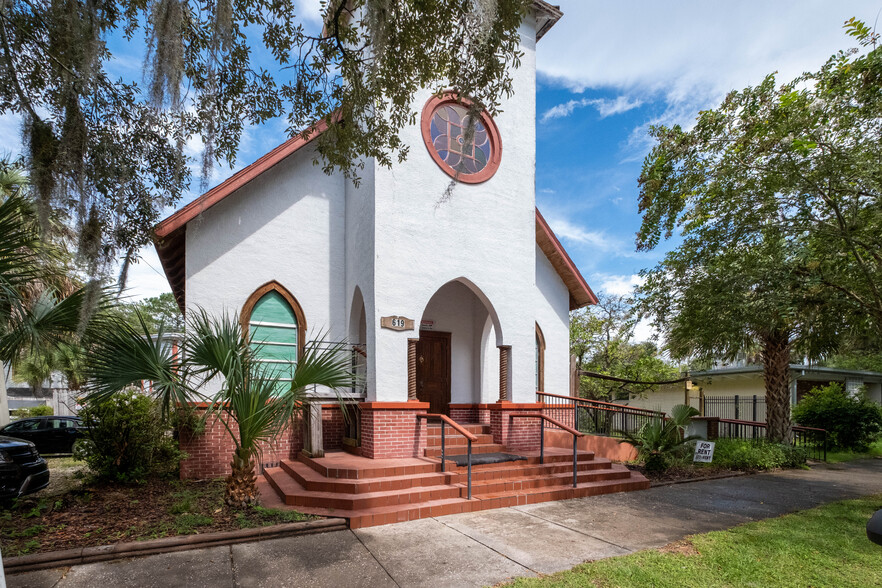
(540, 359)
(275, 321)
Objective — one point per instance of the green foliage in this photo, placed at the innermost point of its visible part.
(112, 153)
(824, 546)
(852, 422)
(157, 310)
(660, 441)
(600, 338)
(32, 411)
(739, 454)
(251, 403)
(127, 439)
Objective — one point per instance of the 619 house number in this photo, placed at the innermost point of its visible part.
(396, 323)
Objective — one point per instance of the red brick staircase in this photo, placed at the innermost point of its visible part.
(372, 492)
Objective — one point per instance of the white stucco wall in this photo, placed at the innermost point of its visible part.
(484, 233)
(399, 241)
(286, 225)
(552, 315)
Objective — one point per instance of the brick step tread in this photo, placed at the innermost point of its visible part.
(531, 482)
(463, 450)
(477, 429)
(453, 440)
(533, 460)
(312, 480)
(435, 508)
(296, 495)
(340, 471)
(548, 469)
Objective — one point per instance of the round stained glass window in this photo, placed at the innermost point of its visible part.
(446, 129)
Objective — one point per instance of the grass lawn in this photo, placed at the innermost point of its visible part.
(875, 450)
(824, 546)
(84, 514)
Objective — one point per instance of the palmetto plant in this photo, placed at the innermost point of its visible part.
(254, 401)
(33, 315)
(660, 438)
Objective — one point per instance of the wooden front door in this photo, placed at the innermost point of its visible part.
(433, 371)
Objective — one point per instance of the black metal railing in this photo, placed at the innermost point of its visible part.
(595, 417)
(446, 420)
(813, 440)
(558, 425)
(737, 407)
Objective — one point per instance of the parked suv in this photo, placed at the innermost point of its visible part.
(22, 470)
(51, 434)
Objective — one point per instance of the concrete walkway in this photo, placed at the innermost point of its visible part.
(483, 548)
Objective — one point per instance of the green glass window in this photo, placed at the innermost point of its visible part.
(274, 329)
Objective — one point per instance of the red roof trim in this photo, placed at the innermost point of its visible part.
(569, 269)
(236, 181)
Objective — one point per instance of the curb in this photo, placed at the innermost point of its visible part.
(705, 479)
(83, 555)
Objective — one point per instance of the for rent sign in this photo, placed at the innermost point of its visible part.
(704, 451)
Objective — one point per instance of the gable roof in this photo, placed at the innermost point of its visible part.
(580, 293)
(170, 236)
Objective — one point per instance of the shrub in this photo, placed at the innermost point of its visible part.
(853, 422)
(126, 439)
(661, 441)
(32, 411)
(740, 454)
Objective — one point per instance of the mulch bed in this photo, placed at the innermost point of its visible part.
(683, 473)
(106, 513)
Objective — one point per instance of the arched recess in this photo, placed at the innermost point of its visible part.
(454, 354)
(540, 359)
(357, 319)
(268, 289)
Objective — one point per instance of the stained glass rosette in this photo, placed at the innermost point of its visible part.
(448, 135)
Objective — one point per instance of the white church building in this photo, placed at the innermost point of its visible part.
(458, 305)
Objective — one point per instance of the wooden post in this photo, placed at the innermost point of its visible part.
(504, 357)
(313, 442)
(411, 369)
(574, 377)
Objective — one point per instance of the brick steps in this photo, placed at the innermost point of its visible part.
(434, 429)
(488, 487)
(435, 508)
(296, 495)
(313, 481)
(463, 449)
(456, 440)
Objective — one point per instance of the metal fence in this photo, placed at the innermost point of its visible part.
(595, 417)
(814, 441)
(737, 407)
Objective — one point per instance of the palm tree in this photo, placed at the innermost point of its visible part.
(32, 315)
(254, 402)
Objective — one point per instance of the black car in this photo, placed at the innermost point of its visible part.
(22, 470)
(51, 434)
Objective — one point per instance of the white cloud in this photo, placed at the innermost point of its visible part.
(146, 278)
(570, 231)
(604, 107)
(617, 285)
(692, 51)
(10, 130)
(310, 10)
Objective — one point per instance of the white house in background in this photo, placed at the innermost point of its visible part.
(714, 390)
(459, 305)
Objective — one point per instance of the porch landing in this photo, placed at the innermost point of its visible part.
(370, 492)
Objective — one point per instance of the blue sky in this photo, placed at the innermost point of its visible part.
(606, 72)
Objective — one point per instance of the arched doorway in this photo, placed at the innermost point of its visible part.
(458, 330)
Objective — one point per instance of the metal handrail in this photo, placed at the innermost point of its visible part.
(446, 420)
(576, 434)
(601, 402)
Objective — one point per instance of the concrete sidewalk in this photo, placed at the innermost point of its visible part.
(483, 548)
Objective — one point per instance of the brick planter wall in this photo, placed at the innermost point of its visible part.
(392, 429)
(209, 453)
